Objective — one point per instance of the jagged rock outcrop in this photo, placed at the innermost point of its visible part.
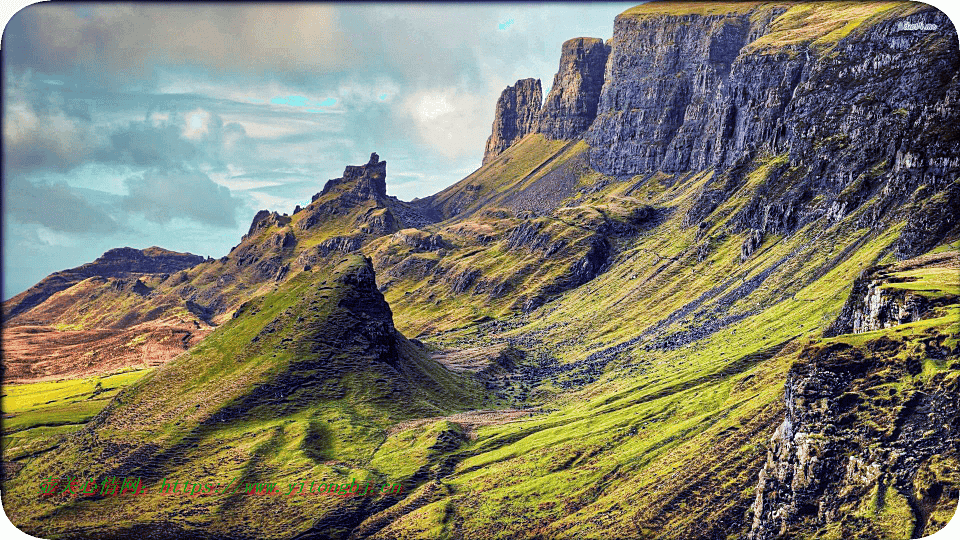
(116, 263)
(571, 105)
(838, 446)
(517, 114)
(359, 186)
(420, 241)
(371, 179)
(750, 244)
(136, 286)
(933, 218)
(568, 110)
(264, 219)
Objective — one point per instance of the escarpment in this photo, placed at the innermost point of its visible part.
(857, 110)
(847, 118)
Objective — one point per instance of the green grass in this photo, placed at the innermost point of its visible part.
(821, 25)
(37, 416)
(932, 282)
(669, 8)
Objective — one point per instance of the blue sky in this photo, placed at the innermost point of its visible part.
(172, 124)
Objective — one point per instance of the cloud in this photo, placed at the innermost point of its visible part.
(133, 45)
(162, 195)
(198, 138)
(157, 143)
(40, 131)
(55, 206)
(444, 120)
(111, 43)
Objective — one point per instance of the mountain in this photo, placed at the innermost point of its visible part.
(96, 318)
(714, 294)
(318, 369)
(116, 263)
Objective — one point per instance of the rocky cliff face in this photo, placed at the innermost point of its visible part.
(854, 443)
(568, 110)
(850, 117)
(571, 105)
(656, 111)
(877, 301)
(517, 114)
(867, 418)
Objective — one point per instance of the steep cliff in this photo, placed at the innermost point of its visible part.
(571, 105)
(862, 107)
(885, 296)
(517, 114)
(869, 441)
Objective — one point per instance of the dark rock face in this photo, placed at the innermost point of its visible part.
(750, 244)
(871, 306)
(371, 179)
(663, 75)
(936, 218)
(571, 105)
(875, 114)
(835, 447)
(117, 263)
(135, 286)
(517, 114)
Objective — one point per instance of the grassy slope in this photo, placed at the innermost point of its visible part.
(518, 167)
(294, 404)
(37, 415)
(667, 440)
(477, 238)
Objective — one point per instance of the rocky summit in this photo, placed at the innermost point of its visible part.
(709, 288)
(516, 115)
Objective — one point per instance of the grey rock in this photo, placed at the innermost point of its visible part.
(571, 105)
(517, 114)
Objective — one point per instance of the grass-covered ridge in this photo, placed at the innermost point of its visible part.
(812, 26)
(302, 384)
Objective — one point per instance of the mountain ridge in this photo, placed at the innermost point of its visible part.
(729, 307)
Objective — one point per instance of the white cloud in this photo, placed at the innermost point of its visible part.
(38, 132)
(197, 124)
(445, 120)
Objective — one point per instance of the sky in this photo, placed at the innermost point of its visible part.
(171, 124)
